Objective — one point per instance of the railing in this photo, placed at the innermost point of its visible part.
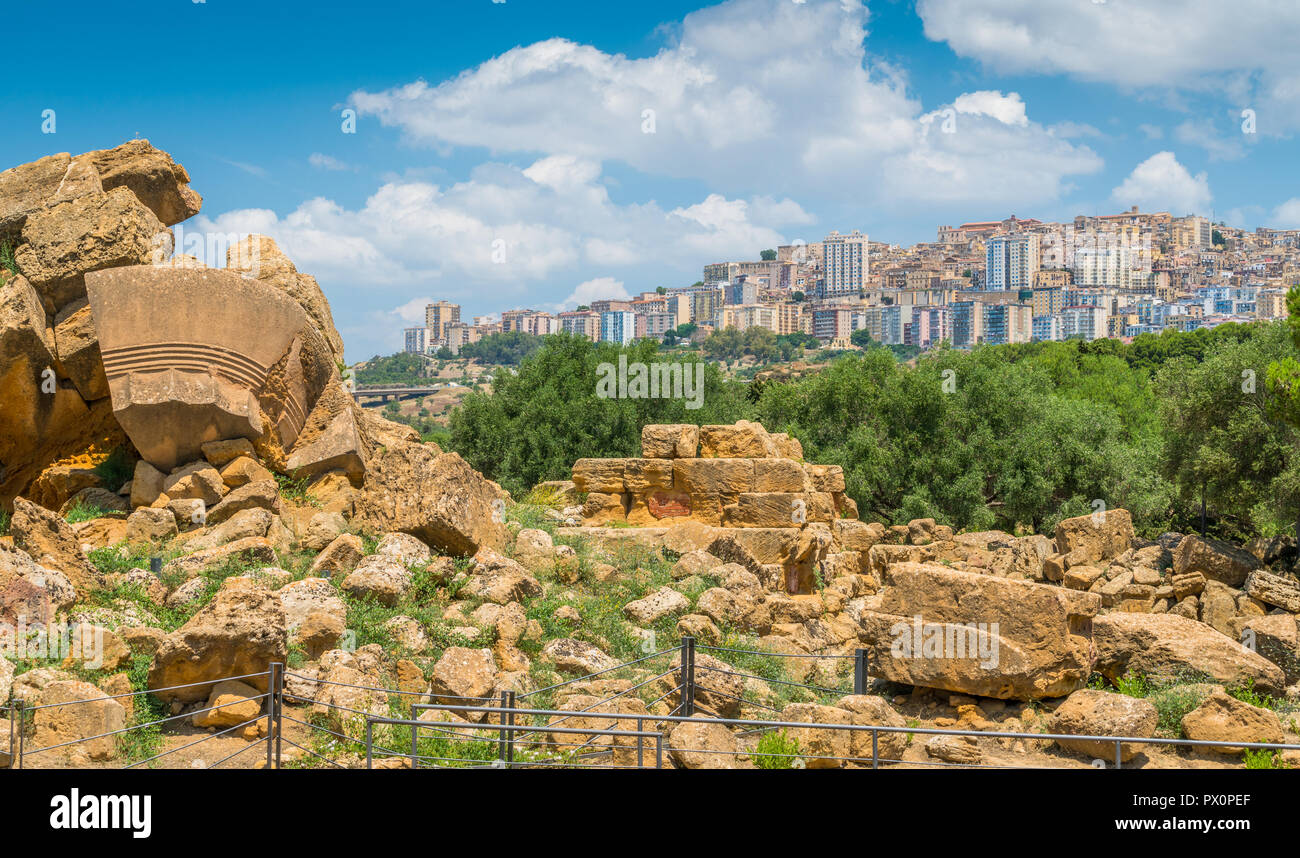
(18, 713)
(519, 730)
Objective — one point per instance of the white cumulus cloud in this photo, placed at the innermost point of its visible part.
(1161, 183)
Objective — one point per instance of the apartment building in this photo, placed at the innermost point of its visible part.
(618, 326)
(1011, 261)
(844, 264)
(437, 316)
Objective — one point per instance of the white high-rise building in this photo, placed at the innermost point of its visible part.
(844, 265)
(1011, 261)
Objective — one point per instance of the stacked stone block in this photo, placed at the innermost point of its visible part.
(724, 476)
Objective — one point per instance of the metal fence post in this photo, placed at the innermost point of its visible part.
(279, 712)
(688, 676)
(860, 671)
(21, 715)
(415, 740)
(640, 760)
(155, 565)
(507, 748)
(659, 750)
(370, 760)
(875, 748)
(1118, 758)
(12, 744)
(272, 758)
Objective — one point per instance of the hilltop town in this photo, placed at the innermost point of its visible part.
(1015, 280)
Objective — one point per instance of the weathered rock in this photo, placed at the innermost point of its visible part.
(30, 591)
(74, 711)
(1217, 561)
(222, 453)
(719, 691)
(661, 603)
(403, 548)
(253, 549)
(242, 471)
(703, 745)
(464, 676)
(959, 750)
(1274, 590)
(499, 579)
(147, 524)
(380, 577)
(820, 748)
(1169, 645)
(51, 543)
(439, 499)
(241, 631)
(1222, 718)
(1099, 536)
(260, 257)
(340, 557)
(260, 495)
(1276, 637)
(324, 528)
(61, 244)
(77, 350)
(870, 710)
(301, 598)
(570, 655)
(231, 703)
(1101, 713)
(938, 628)
(151, 174)
(670, 441)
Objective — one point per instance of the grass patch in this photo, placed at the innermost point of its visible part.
(4, 523)
(1262, 758)
(296, 490)
(81, 511)
(776, 750)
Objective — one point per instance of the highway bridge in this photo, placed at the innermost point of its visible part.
(383, 394)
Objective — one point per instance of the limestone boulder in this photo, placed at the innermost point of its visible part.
(464, 676)
(664, 602)
(821, 748)
(1217, 561)
(498, 579)
(704, 745)
(1097, 536)
(437, 498)
(339, 557)
(1273, 589)
(260, 257)
(263, 495)
(382, 578)
(977, 634)
(241, 631)
(1101, 713)
(147, 524)
(573, 656)
(75, 711)
(62, 244)
(76, 348)
(230, 704)
(151, 175)
(1169, 645)
(1223, 718)
(31, 591)
(51, 542)
(873, 711)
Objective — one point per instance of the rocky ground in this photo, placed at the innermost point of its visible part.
(188, 486)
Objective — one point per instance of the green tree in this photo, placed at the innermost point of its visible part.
(767, 255)
(534, 425)
(1227, 443)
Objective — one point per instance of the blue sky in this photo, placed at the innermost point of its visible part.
(504, 156)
